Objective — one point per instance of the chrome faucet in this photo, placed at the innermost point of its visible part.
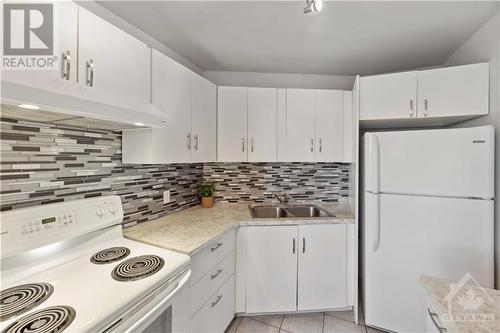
(282, 199)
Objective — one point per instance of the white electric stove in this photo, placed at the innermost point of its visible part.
(66, 267)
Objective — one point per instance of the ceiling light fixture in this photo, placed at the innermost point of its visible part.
(313, 6)
(138, 124)
(29, 106)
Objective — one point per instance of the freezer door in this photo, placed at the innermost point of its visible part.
(442, 237)
(451, 162)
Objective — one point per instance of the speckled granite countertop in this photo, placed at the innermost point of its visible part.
(483, 305)
(190, 230)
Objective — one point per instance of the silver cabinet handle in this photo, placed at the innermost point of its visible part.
(411, 108)
(214, 303)
(426, 107)
(303, 245)
(251, 144)
(320, 145)
(293, 246)
(66, 65)
(312, 145)
(196, 142)
(188, 141)
(243, 144)
(90, 73)
(216, 247)
(213, 276)
(433, 315)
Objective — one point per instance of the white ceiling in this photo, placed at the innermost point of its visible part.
(276, 37)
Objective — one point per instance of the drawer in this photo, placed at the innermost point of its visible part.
(205, 259)
(216, 314)
(211, 281)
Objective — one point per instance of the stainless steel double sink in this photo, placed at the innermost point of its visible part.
(288, 211)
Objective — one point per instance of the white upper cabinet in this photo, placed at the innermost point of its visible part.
(203, 119)
(114, 67)
(300, 123)
(322, 267)
(388, 96)
(262, 124)
(329, 125)
(453, 91)
(63, 77)
(232, 124)
(432, 97)
(171, 93)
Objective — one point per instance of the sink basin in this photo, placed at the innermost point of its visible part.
(268, 212)
(308, 211)
(279, 212)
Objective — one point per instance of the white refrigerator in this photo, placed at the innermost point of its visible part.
(428, 208)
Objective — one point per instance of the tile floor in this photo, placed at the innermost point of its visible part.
(320, 322)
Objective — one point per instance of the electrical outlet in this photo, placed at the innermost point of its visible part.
(166, 197)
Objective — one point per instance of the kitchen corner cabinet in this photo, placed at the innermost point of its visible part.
(315, 125)
(437, 96)
(295, 268)
(247, 124)
(113, 66)
(187, 101)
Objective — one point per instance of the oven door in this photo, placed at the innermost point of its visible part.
(167, 312)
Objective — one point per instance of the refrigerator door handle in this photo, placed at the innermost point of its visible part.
(376, 225)
(375, 162)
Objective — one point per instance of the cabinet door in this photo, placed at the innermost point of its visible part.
(66, 37)
(300, 125)
(271, 261)
(232, 124)
(121, 64)
(348, 128)
(453, 91)
(322, 270)
(203, 119)
(329, 125)
(389, 96)
(262, 125)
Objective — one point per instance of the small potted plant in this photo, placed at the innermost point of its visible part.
(206, 192)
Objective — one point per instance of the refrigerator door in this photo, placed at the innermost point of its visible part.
(450, 162)
(442, 237)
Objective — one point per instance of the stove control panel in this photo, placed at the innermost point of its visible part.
(41, 224)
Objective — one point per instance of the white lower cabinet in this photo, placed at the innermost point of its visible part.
(295, 268)
(271, 259)
(217, 313)
(213, 285)
(322, 268)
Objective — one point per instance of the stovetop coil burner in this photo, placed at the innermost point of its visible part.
(137, 268)
(110, 255)
(53, 319)
(20, 299)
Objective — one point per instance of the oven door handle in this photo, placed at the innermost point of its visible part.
(142, 323)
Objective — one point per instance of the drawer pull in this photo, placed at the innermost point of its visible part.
(439, 328)
(214, 303)
(213, 276)
(216, 247)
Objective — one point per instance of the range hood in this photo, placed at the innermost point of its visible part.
(69, 109)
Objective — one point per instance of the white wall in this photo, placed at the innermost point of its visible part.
(280, 80)
(114, 19)
(484, 46)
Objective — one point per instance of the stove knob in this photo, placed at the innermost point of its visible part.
(100, 211)
(112, 208)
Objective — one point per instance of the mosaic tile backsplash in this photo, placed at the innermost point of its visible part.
(258, 182)
(43, 163)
